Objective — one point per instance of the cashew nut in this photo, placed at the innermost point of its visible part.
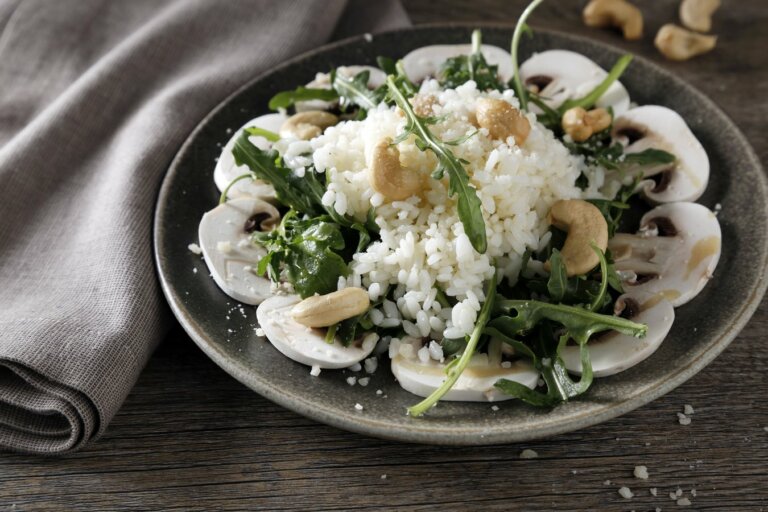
(307, 125)
(615, 13)
(677, 43)
(388, 177)
(502, 120)
(332, 308)
(585, 226)
(697, 14)
(581, 124)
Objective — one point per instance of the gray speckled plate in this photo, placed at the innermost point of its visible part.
(703, 328)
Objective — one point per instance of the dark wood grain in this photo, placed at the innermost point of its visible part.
(189, 437)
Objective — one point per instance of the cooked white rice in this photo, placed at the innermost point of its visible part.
(423, 245)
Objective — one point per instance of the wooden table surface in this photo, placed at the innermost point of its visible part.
(190, 437)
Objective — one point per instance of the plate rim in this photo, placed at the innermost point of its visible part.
(424, 431)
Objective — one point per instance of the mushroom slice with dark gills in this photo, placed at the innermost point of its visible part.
(613, 352)
(307, 345)
(560, 75)
(673, 255)
(227, 170)
(422, 376)
(225, 238)
(655, 127)
(425, 62)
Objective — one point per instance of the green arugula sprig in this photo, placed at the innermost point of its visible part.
(303, 194)
(287, 99)
(613, 210)
(588, 101)
(354, 92)
(458, 70)
(580, 324)
(456, 367)
(308, 249)
(522, 27)
(313, 243)
(351, 92)
(468, 204)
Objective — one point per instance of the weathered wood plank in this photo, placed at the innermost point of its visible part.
(191, 438)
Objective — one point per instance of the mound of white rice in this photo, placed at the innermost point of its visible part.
(423, 245)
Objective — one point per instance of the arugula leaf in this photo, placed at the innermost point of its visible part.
(560, 386)
(599, 300)
(287, 99)
(354, 91)
(468, 204)
(558, 277)
(458, 70)
(649, 156)
(308, 249)
(387, 65)
(593, 96)
(261, 132)
(225, 192)
(346, 330)
(303, 194)
(457, 366)
(581, 324)
(613, 210)
(520, 91)
(549, 117)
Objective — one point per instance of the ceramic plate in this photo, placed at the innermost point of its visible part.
(225, 331)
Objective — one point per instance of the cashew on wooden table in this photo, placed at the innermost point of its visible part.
(615, 13)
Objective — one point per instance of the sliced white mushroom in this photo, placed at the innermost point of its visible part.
(656, 127)
(560, 75)
(612, 352)
(225, 238)
(673, 255)
(376, 77)
(476, 383)
(227, 170)
(306, 345)
(425, 62)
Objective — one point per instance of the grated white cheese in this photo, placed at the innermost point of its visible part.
(683, 502)
(641, 472)
(315, 371)
(358, 407)
(371, 364)
(363, 381)
(195, 249)
(528, 454)
(224, 247)
(688, 410)
(626, 493)
(654, 491)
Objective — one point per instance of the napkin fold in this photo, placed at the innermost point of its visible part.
(96, 97)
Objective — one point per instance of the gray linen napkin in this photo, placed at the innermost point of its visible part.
(96, 96)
